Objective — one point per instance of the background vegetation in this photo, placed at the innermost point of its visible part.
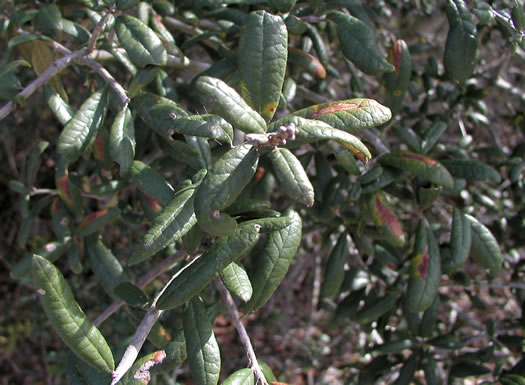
(375, 237)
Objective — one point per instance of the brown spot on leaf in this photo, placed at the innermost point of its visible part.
(422, 268)
(397, 53)
(387, 217)
(94, 216)
(421, 158)
(333, 108)
(63, 186)
(259, 174)
(99, 148)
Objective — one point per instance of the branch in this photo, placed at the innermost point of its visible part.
(243, 335)
(147, 323)
(50, 72)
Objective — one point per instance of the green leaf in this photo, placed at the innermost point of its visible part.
(95, 221)
(274, 261)
(470, 169)
(175, 354)
(359, 44)
(158, 112)
(80, 132)
(431, 370)
(263, 51)
(307, 62)
(430, 317)
(291, 174)
(131, 294)
(375, 308)
(68, 319)
(406, 374)
(204, 356)
(221, 186)
(62, 111)
(207, 125)
(240, 377)
(122, 141)
(32, 162)
(143, 77)
(396, 82)
(140, 42)
(175, 220)
(203, 270)
(149, 181)
(236, 281)
(335, 268)
(425, 270)
(421, 166)
(50, 18)
(462, 46)
(310, 131)
(105, 265)
(484, 246)
(385, 219)
(460, 240)
(350, 115)
(226, 102)
(432, 136)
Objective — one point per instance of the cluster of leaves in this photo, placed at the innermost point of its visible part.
(192, 147)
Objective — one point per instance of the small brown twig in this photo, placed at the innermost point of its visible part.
(243, 335)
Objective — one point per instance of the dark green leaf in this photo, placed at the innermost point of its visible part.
(462, 46)
(274, 261)
(122, 141)
(470, 169)
(207, 125)
(80, 132)
(204, 269)
(225, 101)
(485, 247)
(359, 44)
(263, 51)
(236, 281)
(203, 351)
(335, 268)
(149, 181)
(221, 186)
(140, 42)
(68, 319)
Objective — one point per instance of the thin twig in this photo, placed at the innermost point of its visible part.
(43, 191)
(144, 281)
(96, 31)
(50, 72)
(243, 335)
(147, 323)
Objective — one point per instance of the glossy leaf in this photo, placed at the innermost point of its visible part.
(359, 44)
(485, 248)
(202, 271)
(263, 51)
(460, 240)
(349, 115)
(95, 221)
(68, 319)
(292, 176)
(310, 131)
(425, 270)
(143, 77)
(158, 112)
(131, 294)
(236, 281)
(274, 261)
(203, 351)
(462, 46)
(385, 219)
(271, 224)
(207, 125)
(221, 186)
(421, 166)
(335, 268)
(470, 169)
(122, 141)
(62, 111)
(79, 134)
(175, 220)
(240, 377)
(140, 42)
(149, 181)
(396, 82)
(226, 102)
(105, 265)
